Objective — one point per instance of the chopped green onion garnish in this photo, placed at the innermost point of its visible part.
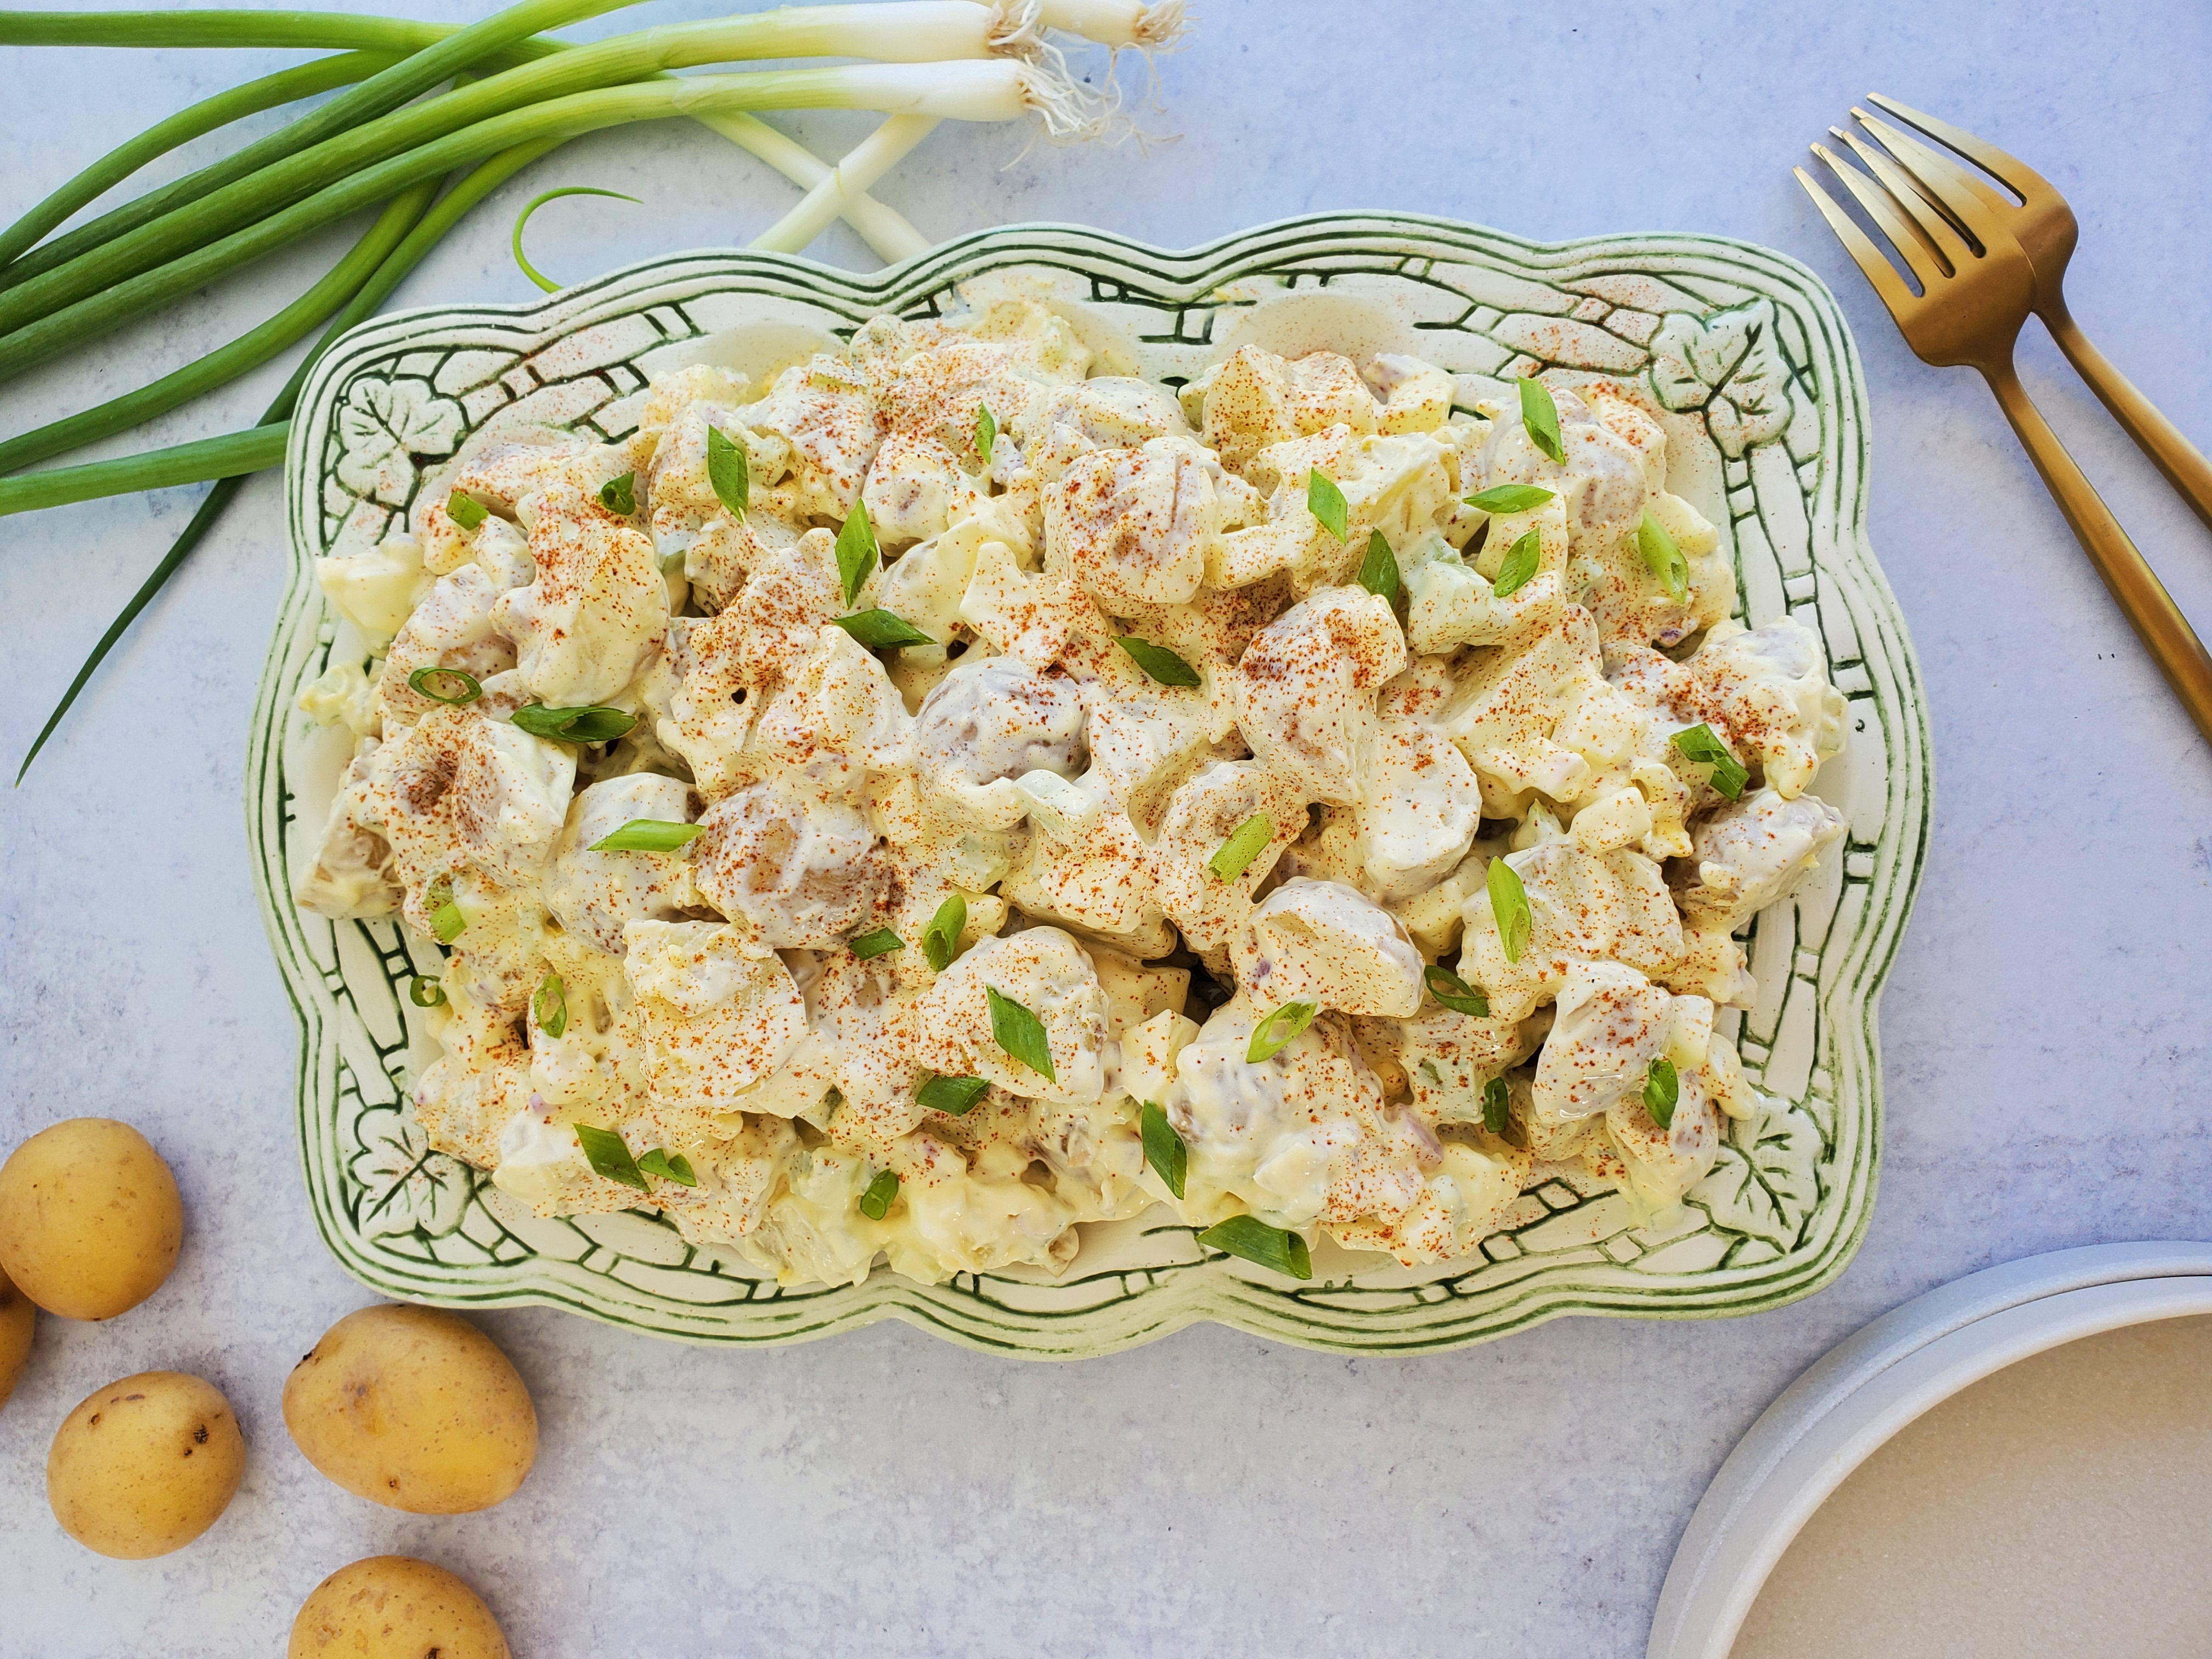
(876, 1202)
(1246, 842)
(1455, 992)
(448, 922)
(608, 1154)
(620, 495)
(1509, 905)
(1378, 571)
(1020, 1033)
(447, 685)
(880, 943)
(1163, 1147)
(987, 433)
(669, 1167)
(940, 940)
(1703, 743)
(1157, 660)
(856, 551)
(1255, 1240)
(466, 510)
(1664, 558)
(1273, 1034)
(1540, 416)
(728, 472)
(425, 992)
(550, 1006)
(1521, 562)
(1326, 503)
(955, 1097)
(1662, 1092)
(879, 628)
(588, 725)
(1495, 1101)
(648, 835)
(1509, 498)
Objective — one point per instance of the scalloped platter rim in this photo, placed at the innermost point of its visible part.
(1746, 354)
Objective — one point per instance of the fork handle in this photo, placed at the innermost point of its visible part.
(2174, 644)
(2182, 462)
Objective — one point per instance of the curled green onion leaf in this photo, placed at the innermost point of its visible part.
(608, 1154)
(1455, 992)
(987, 433)
(1273, 1034)
(1255, 1240)
(1664, 558)
(1246, 842)
(648, 836)
(1509, 498)
(466, 510)
(940, 940)
(955, 1097)
(1662, 1092)
(514, 241)
(879, 628)
(856, 551)
(728, 472)
(1163, 1147)
(880, 943)
(876, 1202)
(1703, 743)
(620, 495)
(1540, 416)
(669, 1167)
(1521, 562)
(550, 1006)
(447, 685)
(1326, 503)
(1378, 571)
(1495, 1101)
(1020, 1033)
(425, 992)
(1509, 904)
(1157, 660)
(588, 725)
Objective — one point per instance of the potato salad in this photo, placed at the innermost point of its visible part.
(948, 795)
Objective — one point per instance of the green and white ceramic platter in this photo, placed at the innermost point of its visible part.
(1746, 354)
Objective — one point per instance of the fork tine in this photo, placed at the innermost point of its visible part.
(2017, 176)
(1914, 210)
(1860, 245)
(1935, 173)
(1876, 200)
(1949, 246)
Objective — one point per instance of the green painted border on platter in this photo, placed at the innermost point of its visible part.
(463, 1247)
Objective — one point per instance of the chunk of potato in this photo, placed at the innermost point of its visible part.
(18, 1316)
(90, 1222)
(393, 1606)
(414, 1409)
(144, 1466)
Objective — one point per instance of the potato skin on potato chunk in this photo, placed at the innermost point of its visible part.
(144, 1466)
(90, 1218)
(393, 1607)
(19, 1317)
(413, 1408)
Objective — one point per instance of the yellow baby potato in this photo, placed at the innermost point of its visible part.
(144, 1466)
(393, 1606)
(18, 1314)
(90, 1222)
(414, 1409)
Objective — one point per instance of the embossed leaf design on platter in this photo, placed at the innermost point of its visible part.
(1766, 1181)
(383, 426)
(1729, 365)
(408, 1186)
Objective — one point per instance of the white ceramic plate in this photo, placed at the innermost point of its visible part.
(1739, 351)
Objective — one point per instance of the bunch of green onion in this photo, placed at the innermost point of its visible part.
(434, 118)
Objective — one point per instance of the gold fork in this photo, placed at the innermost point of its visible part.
(2045, 228)
(1973, 301)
